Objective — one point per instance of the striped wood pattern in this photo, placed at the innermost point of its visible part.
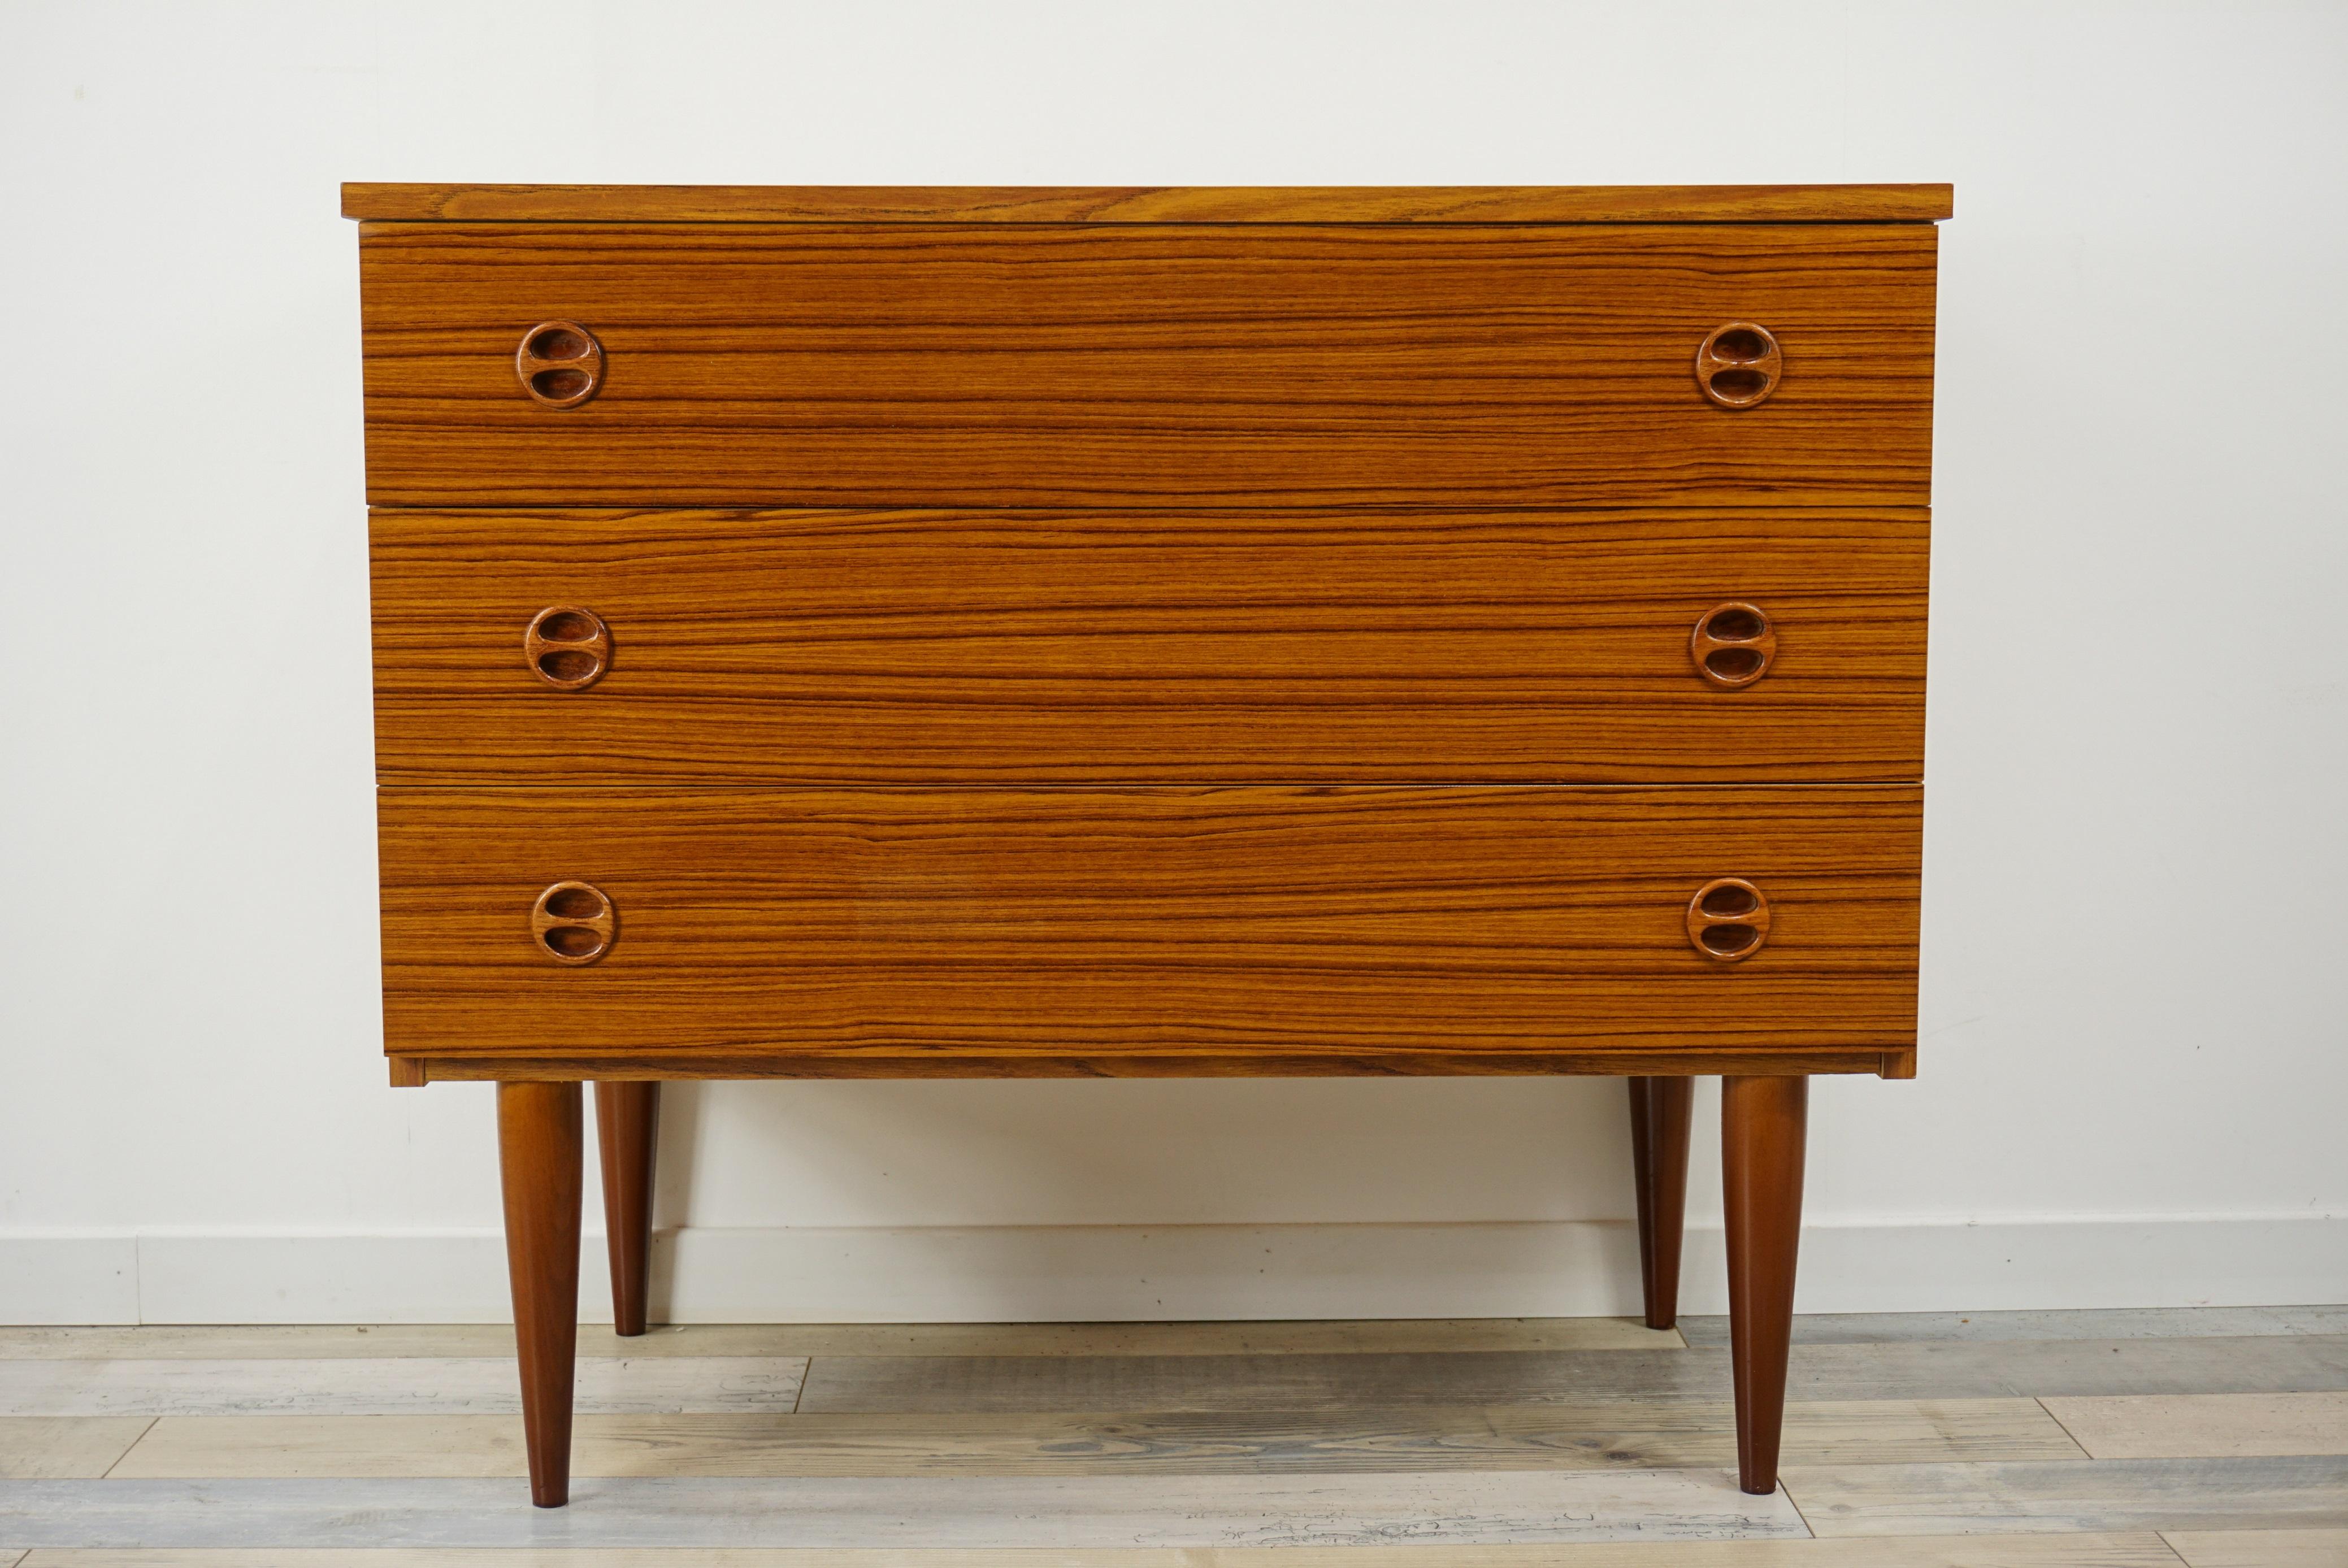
(1061, 1383)
(2260, 1548)
(1460, 1484)
(1831, 1372)
(968, 646)
(1109, 366)
(156, 1342)
(2108, 1494)
(2139, 1549)
(919, 1511)
(1149, 205)
(1623, 1435)
(1206, 924)
(1125, 365)
(390, 1386)
(53, 1447)
(2103, 1323)
(2207, 1425)
(792, 1061)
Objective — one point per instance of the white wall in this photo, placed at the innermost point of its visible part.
(2134, 999)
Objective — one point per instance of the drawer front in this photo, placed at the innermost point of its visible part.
(747, 364)
(919, 929)
(1150, 647)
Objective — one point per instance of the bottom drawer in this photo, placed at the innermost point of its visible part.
(1074, 930)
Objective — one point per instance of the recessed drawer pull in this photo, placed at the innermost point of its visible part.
(573, 922)
(1727, 920)
(567, 647)
(1738, 365)
(1733, 644)
(560, 363)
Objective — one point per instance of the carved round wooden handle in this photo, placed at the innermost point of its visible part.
(575, 922)
(1727, 920)
(567, 647)
(560, 363)
(1738, 365)
(1733, 644)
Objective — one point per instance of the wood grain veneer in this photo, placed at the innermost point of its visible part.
(1158, 646)
(1107, 366)
(556, 1064)
(929, 924)
(1149, 205)
(1028, 632)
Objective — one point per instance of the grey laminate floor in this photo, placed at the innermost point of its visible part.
(2215, 1440)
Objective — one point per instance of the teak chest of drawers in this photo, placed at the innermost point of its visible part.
(837, 632)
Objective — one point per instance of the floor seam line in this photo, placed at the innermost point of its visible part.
(134, 1443)
(2162, 1536)
(1795, 1503)
(2040, 1401)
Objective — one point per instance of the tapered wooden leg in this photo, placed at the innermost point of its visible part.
(1660, 1113)
(627, 1125)
(539, 1147)
(1764, 1123)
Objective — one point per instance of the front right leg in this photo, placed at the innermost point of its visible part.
(540, 1139)
(1764, 1128)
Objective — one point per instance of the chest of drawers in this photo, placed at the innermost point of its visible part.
(831, 631)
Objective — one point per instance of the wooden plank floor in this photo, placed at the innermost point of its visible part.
(2169, 1439)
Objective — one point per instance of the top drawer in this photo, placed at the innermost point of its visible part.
(755, 365)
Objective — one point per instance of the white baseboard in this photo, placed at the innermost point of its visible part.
(68, 1279)
(430, 1278)
(1110, 1273)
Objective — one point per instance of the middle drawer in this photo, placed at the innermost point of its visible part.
(937, 646)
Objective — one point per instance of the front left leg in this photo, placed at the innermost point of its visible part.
(1763, 1127)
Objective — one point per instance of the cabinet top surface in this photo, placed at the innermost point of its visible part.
(1149, 204)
